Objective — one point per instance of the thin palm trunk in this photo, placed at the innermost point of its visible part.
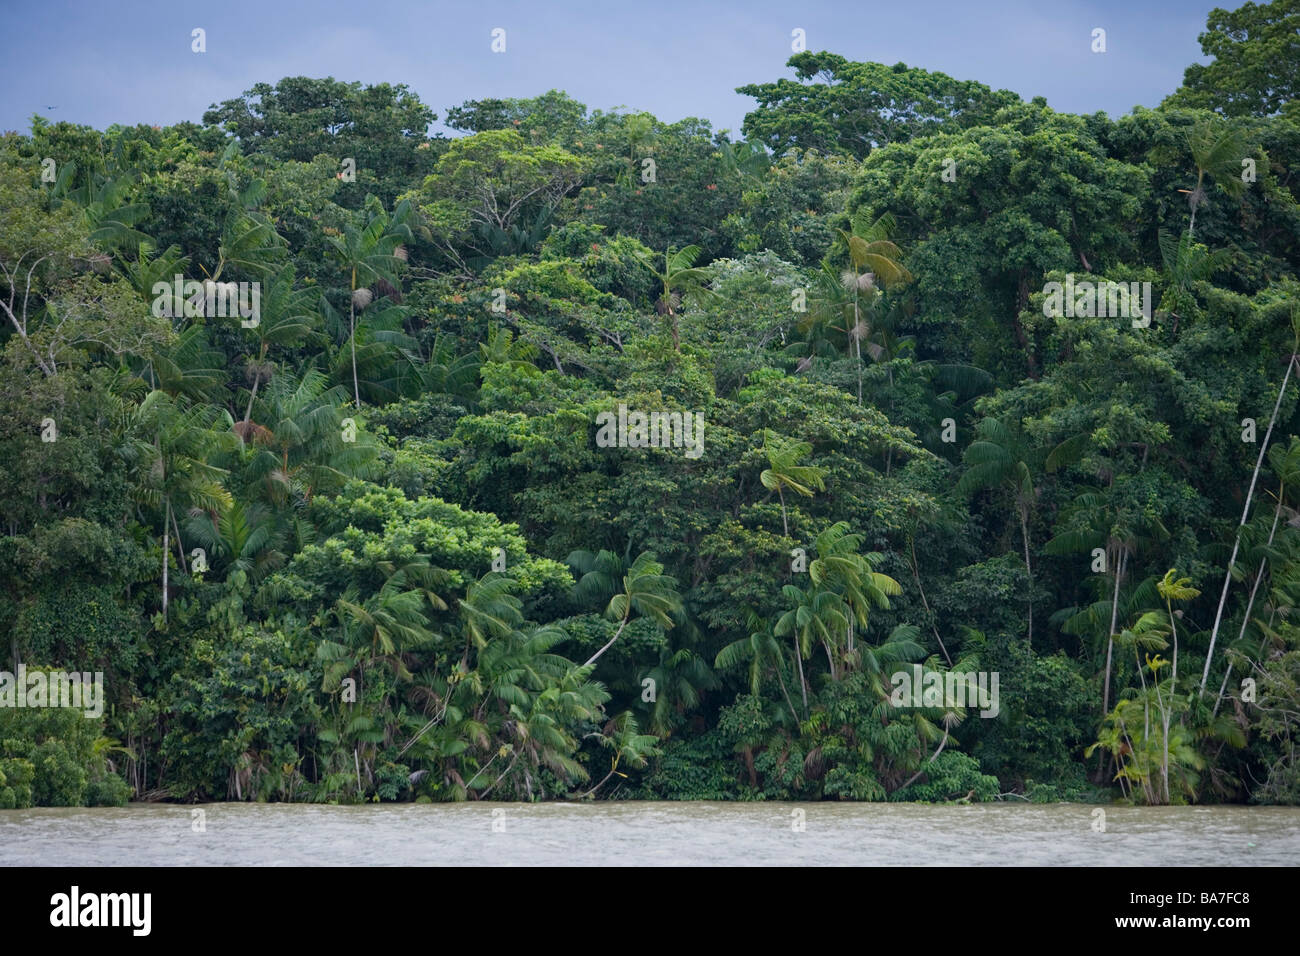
(257, 380)
(166, 528)
(1146, 703)
(857, 339)
(622, 624)
(1029, 573)
(857, 346)
(1110, 640)
(785, 522)
(785, 693)
(1222, 687)
(938, 751)
(1245, 512)
(803, 684)
(601, 784)
(500, 778)
(916, 574)
(1174, 630)
(1164, 713)
(1191, 226)
(1254, 589)
(352, 323)
(180, 548)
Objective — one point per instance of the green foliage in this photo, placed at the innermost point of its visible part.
(56, 757)
(368, 548)
(1253, 71)
(859, 107)
(951, 775)
(382, 127)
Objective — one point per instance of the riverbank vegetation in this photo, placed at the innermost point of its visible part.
(361, 543)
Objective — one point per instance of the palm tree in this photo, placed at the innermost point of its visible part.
(147, 270)
(445, 372)
(249, 241)
(286, 315)
(680, 678)
(645, 590)
(1217, 150)
(1173, 588)
(761, 650)
(840, 569)
(488, 610)
(520, 700)
(173, 469)
(783, 456)
(502, 348)
(747, 159)
(107, 217)
(873, 261)
(395, 619)
(998, 459)
(679, 280)
(639, 130)
(902, 646)
(814, 615)
(1286, 467)
(1250, 494)
(1103, 521)
(599, 575)
(188, 366)
(293, 446)
(816, 325)
(622, 736)
(369, 255)
(1185, 262)
(385, 358)
(245, 537)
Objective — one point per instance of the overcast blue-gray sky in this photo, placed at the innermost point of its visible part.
(130, 61)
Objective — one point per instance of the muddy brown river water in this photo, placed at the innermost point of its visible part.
(667, 834)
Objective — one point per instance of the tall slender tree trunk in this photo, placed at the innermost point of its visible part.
(1254, 589)
(180, 548)
(786, 694)
(936, 753)
(1164, 715)
(1191, 226)
(803, 684)
(1173, 626)
(1222, 687)
(1029, 573)
(1146, 703)
(1110, 640)
(857, 340)
(167, 514)
(601, 784)
(785, 522)
(1245, 513)
(352, 323)
(857, 345)
(916, 573)
(257, 380)
(622, 624)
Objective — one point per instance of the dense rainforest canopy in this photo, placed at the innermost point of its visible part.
(367, 539)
